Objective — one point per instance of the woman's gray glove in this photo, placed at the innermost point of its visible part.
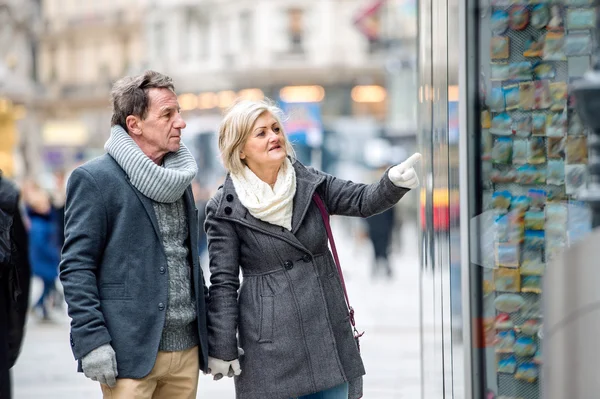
(101, 365)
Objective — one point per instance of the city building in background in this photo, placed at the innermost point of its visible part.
(84, 47)
(327, 63)
(19, 128)
(343, 71)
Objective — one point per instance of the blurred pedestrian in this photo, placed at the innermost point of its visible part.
(44, 252)
(15, 276)
(130, 269)
(290, 318)
(380, 228)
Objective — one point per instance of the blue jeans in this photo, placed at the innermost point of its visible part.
(339, 392)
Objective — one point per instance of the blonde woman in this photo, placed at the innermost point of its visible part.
(289, 315)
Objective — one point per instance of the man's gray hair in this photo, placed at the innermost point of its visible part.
(129, 95)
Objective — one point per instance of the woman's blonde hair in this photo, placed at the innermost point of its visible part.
(236, 127)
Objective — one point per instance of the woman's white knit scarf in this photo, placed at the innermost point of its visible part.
(165, 183)
(272, 205)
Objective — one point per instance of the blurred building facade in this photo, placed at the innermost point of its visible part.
(19, 23)
(84, 47)
(344, 70)
(331, 61)
(215, 46)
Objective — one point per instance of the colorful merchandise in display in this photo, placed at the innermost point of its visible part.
(540, 16)
(500, 47)
(509, 303)
(535, 150)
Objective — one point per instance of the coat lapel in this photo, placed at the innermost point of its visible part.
(192, 215)
(306, 184)
(147, 202)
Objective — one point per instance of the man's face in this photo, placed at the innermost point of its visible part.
(160, 132)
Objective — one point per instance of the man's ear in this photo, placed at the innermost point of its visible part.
(133, 125)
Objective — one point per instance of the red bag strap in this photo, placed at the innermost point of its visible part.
(325, 215)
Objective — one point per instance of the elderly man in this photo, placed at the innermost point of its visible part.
(130, 270)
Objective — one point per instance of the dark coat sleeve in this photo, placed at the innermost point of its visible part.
(343, 197)
(17, 313)
(85, 236)
(223, 249)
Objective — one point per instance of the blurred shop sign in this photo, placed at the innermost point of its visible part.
(367, 20)
(65, 133)
(304, 124)
(222, 99)
(302, 94)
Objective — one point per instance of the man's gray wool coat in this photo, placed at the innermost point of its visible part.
(114, 268)
(289, 316)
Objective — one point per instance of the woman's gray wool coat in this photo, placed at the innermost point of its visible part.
(290, 315)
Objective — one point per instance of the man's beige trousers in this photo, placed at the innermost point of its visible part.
(174, 376)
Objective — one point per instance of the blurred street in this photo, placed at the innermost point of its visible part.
(388, 310)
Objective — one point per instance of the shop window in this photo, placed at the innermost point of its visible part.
(125, 51)
(186, 31)
(159, 39)
(296, 30)
(226, 45)
(52, 73)
(195, 35)
(203, 41)
(246, 31)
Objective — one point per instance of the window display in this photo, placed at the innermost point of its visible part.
(534, 162)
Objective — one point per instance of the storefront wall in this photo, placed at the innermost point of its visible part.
(505, 159)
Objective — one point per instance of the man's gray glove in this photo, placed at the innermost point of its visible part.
(101, 365)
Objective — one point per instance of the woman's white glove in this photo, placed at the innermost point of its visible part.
(404, 174)
(220, 368)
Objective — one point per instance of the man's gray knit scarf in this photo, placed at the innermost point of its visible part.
(161, 184)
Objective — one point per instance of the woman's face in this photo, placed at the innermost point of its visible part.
(265, 147)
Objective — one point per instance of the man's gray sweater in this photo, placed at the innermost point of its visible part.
(180, 330)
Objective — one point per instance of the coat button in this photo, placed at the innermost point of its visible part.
(162, 270)
(288, 264)
(229, 197)
(306, 258)
(227, 210)
(161, 306)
